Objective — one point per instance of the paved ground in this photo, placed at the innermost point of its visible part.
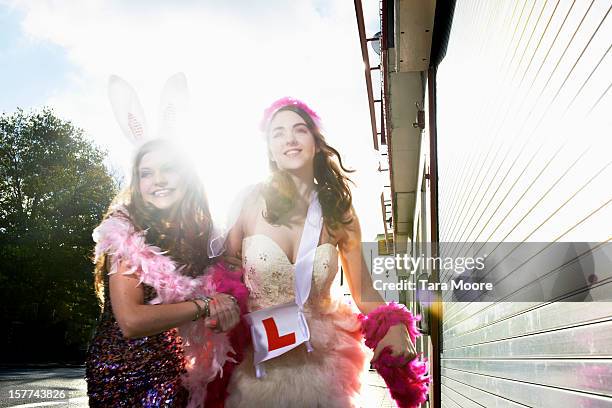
(375, 394)
(65, 387)
(42, 387)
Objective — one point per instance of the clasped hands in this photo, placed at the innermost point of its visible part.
(224, 312)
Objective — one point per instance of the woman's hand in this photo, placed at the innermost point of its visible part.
(224, 312)
(398, 339)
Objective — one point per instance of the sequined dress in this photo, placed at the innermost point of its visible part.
(142, 372)
(328, 377)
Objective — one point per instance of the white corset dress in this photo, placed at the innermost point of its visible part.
(327, 377)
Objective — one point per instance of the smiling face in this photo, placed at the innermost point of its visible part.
(291, 144)
(161, 183)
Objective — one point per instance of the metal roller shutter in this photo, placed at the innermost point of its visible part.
(524, 127)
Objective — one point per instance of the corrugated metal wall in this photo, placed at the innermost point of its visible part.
(524, 138)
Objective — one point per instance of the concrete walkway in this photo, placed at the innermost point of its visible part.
(71, 381)
(375, 393)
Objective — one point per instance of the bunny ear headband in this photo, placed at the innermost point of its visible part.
(130, 115)
(173, 104)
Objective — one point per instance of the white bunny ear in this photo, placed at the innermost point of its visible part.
(174, 103)
(127, 109)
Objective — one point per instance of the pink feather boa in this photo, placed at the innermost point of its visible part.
(407, 379)
(206, 352)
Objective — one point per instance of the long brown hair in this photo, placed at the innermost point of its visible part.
(332, 183)
(182, 230)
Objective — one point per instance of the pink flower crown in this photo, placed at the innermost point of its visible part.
(283, 102)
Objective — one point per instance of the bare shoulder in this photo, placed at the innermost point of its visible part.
(256, 194)
(243, 214)
(253, 202)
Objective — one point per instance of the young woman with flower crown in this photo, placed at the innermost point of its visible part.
(324, 371)
(153, 275)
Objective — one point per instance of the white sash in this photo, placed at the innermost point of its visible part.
(278, 329)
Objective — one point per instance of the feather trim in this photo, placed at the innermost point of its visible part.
(206, 352)
(407, 379)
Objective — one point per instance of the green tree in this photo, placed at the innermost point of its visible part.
(54, 189)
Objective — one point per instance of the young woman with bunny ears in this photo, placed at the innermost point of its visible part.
(307, 344)
(170, 311)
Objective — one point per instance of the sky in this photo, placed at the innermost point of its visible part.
(238, 57)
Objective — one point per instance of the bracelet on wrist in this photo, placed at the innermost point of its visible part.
(206, 309)
(198, 311)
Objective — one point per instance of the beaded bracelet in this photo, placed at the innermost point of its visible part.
(206, 301)
(198, 312)
(207, 307)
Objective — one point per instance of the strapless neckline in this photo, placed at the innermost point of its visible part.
(280, 250)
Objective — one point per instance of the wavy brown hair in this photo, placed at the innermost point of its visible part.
(332, 183)
(182, 230)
